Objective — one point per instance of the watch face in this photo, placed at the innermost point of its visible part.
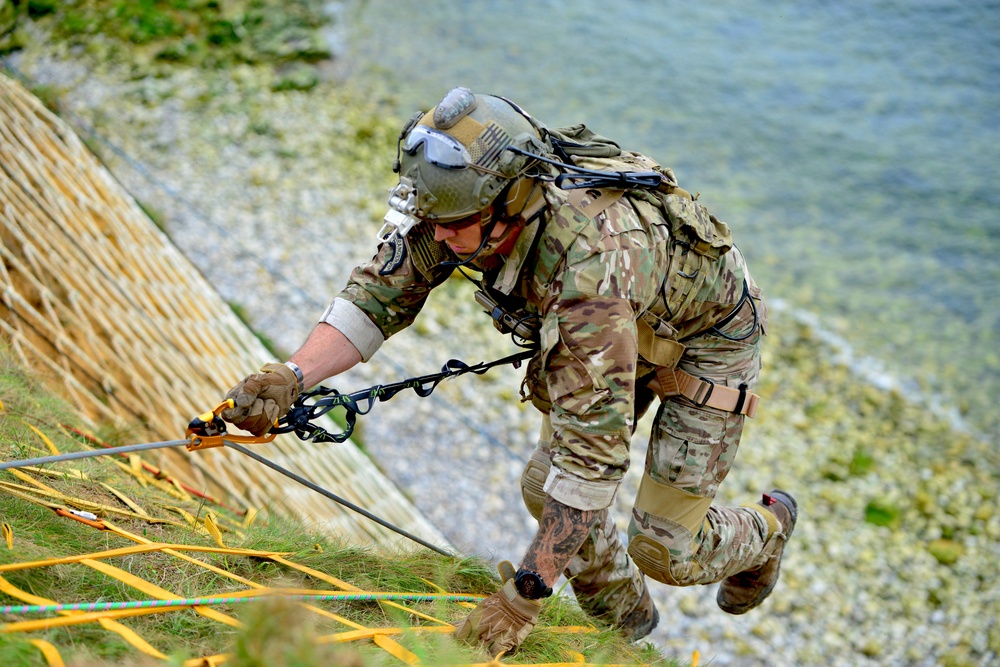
(530, 585)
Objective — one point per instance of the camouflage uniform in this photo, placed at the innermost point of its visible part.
(589, 267)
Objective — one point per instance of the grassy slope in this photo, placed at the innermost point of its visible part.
(273, 633)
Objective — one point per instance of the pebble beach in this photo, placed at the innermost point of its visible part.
(276, 193)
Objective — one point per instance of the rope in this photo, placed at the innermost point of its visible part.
(243, 450)
(92, 453)
(199, 602)
(332, 496)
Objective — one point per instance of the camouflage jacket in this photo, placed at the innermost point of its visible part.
(588, 277)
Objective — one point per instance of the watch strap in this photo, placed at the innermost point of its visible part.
(298, 375)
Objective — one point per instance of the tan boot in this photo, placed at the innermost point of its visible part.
(641, 620)
(742, 592)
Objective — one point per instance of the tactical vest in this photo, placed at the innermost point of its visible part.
(694, 241)
(694, 244)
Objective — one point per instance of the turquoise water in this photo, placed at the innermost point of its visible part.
(854, 149)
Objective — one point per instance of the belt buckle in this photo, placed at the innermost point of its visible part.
(708, 393)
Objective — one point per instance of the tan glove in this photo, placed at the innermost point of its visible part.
(503, 620)
(262, 398)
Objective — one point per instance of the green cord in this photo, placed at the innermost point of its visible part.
(192, 602)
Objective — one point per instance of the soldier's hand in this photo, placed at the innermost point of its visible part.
(502, 621)
(262, 398)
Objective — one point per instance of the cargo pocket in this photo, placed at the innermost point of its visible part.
(686, 446)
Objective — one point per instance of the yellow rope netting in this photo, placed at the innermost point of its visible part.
(99, 303)
(96, 514)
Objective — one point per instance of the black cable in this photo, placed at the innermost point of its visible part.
(717, 328)
(591, 178)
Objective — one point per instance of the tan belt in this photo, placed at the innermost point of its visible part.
(665, 354)
(675, 382)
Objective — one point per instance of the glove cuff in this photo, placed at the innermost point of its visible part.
(520, 604)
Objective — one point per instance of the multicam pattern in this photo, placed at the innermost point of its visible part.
(588, 277)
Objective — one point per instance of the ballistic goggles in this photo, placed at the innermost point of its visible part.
(440, 149)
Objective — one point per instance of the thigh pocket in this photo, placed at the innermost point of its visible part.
(686, 446)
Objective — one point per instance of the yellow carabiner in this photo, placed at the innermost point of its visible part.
(209, 430)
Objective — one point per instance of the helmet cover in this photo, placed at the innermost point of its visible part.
(455, 155)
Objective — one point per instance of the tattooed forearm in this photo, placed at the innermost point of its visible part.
(561, 531)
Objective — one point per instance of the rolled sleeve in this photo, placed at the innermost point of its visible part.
(355, 325)
(579, 493)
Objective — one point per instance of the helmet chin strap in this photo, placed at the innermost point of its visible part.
(513, 204)
(487, 244)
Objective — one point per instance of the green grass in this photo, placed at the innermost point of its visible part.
(278, 632)
(200, 33)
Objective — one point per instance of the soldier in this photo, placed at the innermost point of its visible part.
(631, 291)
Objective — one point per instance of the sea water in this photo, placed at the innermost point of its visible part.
(853, 147)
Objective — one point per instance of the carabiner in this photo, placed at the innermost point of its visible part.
(209, 430)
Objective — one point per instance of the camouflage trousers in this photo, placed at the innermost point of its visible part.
(676, 535)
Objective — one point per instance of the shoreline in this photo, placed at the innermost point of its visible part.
(248, 171)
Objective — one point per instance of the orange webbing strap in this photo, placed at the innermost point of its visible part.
(675, 382)
(344, 586)
(384, 642)
(155, 591)
(139, 548)
(49, 652)
(225, 573)
(74, 617)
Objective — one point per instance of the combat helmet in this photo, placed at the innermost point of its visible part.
(453, 160)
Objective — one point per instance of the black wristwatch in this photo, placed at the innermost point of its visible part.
(530, 585)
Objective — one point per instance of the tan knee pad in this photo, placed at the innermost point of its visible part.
(652, 559)
(676, 515)
(533, 485)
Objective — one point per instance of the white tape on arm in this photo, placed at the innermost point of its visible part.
(355, 325)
